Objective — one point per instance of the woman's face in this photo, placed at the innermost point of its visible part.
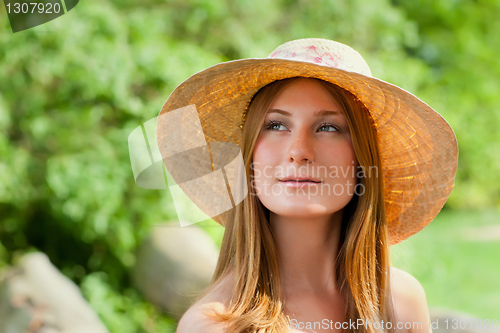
(304, 163)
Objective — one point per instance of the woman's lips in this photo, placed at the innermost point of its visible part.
(298, 184)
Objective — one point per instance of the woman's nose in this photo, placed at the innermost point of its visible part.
(301, 148)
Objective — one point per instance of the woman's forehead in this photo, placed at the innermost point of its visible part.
(305, 96)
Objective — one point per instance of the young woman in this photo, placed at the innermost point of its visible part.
(339, 166)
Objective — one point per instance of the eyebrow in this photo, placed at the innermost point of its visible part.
(319, 113)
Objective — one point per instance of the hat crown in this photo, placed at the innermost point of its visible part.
(323, 52)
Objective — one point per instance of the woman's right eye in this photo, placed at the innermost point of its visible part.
(276, 126)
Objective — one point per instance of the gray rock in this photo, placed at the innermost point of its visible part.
(448, 321)
(173, 265)
(36, 297)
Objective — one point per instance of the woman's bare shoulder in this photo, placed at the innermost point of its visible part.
(404, 281)
(195, 320)
(410, 302)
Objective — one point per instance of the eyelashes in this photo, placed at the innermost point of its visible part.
(270, 125)
(337, 129)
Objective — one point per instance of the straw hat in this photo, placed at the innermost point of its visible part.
(418, 148)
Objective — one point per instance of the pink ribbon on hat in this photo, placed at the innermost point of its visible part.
(323, 52)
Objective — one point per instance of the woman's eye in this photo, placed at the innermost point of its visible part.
(276, 126)
(327, 128)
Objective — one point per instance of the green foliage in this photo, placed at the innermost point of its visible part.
(459, 42)
(72, 90)
(126, 312)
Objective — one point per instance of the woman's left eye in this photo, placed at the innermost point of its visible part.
(327, 128)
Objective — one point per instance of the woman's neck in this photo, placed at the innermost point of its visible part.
(307, 249)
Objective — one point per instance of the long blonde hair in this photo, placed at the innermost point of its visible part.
(249, 250)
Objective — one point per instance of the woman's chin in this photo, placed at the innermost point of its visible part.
(310, 210)
(297, 206)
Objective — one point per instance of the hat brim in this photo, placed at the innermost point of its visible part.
(418, 147)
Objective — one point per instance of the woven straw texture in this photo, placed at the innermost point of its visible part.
(418, 148)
